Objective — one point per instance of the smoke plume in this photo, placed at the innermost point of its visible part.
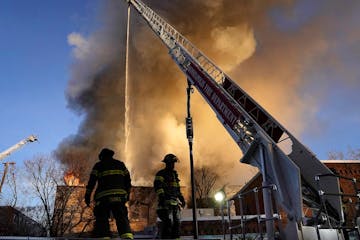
(265, 46)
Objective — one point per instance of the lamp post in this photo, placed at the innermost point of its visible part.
(220, 198)
(190, 136)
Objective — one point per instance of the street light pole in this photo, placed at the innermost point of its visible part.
(222, 219)
(220, 198)
(190, 136)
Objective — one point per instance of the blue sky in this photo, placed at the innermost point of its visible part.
(35, 61)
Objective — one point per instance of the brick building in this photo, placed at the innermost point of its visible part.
(15, 223)
(346, 168)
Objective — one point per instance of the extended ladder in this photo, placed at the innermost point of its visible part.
(256, 132)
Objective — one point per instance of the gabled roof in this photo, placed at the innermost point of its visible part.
(257, 175)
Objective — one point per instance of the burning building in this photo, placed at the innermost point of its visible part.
(99, 90)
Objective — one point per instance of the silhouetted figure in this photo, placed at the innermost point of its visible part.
(170, 199)
(112, 192)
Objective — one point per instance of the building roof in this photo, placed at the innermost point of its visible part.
(323, 161)
(247, 184)
(340, 161)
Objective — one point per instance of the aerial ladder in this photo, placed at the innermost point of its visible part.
(11, 149)
(18, 145)
(292, 173)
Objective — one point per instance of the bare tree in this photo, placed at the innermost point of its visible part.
(8, 180)
(70, 212)
(333, 155)
(12, 186)
(205, 180)
(61, 209)
(353, 154)
(43, 174)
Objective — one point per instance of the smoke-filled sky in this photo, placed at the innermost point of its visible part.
(63, 78)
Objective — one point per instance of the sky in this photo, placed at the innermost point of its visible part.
(35, 58)
(298, 59)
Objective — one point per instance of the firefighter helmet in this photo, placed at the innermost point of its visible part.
(170, 158)
(106, 153)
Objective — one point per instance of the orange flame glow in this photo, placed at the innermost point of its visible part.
(70, 179)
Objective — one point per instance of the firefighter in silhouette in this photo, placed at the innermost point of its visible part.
(170, 199)
(112, 192)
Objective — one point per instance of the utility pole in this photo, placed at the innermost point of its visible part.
(190, 136)
(6, 166)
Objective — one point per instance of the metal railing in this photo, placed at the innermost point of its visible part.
(352, 202)
(259, 217)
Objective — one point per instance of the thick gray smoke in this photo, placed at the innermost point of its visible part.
(271, 42)
(96, 92)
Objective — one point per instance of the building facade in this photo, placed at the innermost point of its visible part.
(349, 172)
(15, 223)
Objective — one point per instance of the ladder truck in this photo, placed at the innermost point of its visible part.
(11, 149)
(293, 177)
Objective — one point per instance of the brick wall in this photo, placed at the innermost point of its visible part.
(346, 168)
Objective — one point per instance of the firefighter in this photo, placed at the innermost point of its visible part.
(112, 192)
(170, 199)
